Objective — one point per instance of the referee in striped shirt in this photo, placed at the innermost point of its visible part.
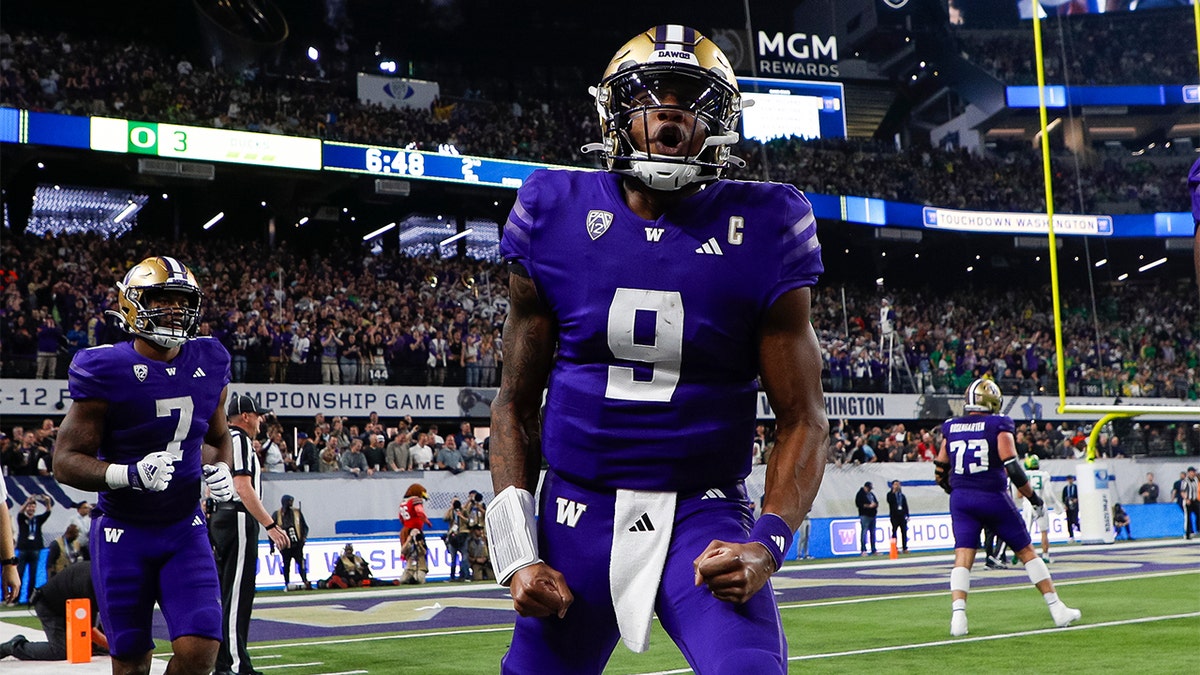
(234, 533)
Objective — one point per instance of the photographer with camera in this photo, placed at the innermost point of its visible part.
(30, 541)
(416, 558)
(457, 524)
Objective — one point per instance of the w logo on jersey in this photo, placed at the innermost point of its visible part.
(598, 222)
(113, 535)
(654, 233)
(569, 512)
(141, 371)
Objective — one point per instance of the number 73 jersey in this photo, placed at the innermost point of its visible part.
(653, 386)
(153, 406)
(974, 452)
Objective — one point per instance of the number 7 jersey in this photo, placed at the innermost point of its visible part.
(153, 406)
(653, 386)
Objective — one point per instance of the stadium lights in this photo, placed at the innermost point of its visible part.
(971, 268)
(130, 208)
(371, 235)
(1123, 277)
(41, 165)
(453, 238)
(1152, 265)
(387, 66)
(214, 220)
(1101, 262)
(313, 54)
(302, 221)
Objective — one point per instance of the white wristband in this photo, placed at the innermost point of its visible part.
(511, 531)
(117, 476)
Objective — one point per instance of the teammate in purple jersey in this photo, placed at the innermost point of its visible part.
(141, 412)
(645, 302)
(978, 453)
(1194, 191)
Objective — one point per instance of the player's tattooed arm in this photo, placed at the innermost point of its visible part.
(530, 338)
(75, 448)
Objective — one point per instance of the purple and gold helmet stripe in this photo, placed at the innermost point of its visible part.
(674, 36)
(175, 268)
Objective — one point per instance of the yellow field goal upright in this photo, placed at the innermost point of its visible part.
(1106, 412)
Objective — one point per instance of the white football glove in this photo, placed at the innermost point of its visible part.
(219, 481)
(1039, 511)
(153, 472)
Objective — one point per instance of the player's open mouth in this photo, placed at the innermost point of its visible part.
(670, 139)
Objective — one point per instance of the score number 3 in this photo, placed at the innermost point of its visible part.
(977, 448)
(665, 354)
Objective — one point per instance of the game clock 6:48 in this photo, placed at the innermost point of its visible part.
(397, 161)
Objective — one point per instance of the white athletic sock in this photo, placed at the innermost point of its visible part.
(1050, 598)
(958, 605)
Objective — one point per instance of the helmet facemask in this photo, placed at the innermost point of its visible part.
(147, 308)
(673, 71)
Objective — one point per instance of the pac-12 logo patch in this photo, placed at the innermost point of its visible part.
(598, 222)
(141, 371)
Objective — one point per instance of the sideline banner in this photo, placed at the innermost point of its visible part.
(321, 556)
(51, 398)
(1016, 223)
(925, 533)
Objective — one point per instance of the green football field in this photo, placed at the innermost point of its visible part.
(1141, 614)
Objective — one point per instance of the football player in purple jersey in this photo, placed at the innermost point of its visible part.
(142, 411)
(1194, 191)
(646, 301)
(977, 458)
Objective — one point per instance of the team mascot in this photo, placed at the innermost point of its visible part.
(412, 511)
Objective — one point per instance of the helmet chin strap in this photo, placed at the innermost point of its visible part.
(670, 176)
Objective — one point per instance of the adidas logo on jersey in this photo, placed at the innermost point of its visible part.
(710, 247)
(778, 541)
(642, 524)
(197, 520)
(199, 372)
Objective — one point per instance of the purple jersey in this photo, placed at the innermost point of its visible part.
(153, 406)
(653, 386)
(974, 452)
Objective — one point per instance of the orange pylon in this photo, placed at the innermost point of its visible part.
(893, 553)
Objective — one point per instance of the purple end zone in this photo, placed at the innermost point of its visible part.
(935, 576)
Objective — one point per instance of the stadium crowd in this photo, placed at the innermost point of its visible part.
(346, 316)
(137, 81)
(1098, 49)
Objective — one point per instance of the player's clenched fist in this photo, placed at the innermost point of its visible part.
(153, 472)
(219, 481)
(733, 572)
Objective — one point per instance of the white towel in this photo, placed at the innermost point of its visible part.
(642, 524)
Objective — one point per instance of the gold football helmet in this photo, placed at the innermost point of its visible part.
(984, 396)
(669, 62)
(145, 310)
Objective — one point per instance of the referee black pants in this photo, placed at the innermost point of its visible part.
(234, 534)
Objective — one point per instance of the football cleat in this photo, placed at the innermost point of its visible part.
(958, 622)
(1064, 616)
